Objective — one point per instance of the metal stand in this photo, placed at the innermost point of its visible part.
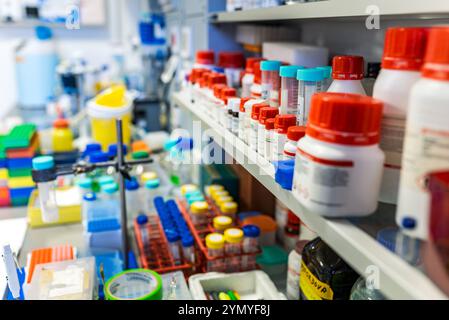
(122, 167)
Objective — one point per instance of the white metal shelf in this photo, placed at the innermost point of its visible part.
(340, 9)
(398, 280)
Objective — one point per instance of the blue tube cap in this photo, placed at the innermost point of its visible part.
(187, 240)
(90, 196)
(43, 163)
(251, 231)
(43, 32)
(98, 156)
(91, 148)
(289, 71)
(172, 235)
(132, 184)
(284, 173)
(142, 219)
(270, 65)
(112, 150)
(313, 74)
(327, 70)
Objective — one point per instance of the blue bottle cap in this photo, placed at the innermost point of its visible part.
(270, 65)
(98, 156)
(131, 184)
(112, 150)
(90, 196)
(313, 74)
(43, 32)
(172, 235)
(142, 219)
(284, 173)
(104, 180)
(43, 163)
(408, 223)
(110, 188)
(85, 183)
(187, 240)
(91, 148)
(327, 70)
(152, 184)
(251, 231)
(289, 71)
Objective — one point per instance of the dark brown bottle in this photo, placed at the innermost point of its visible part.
(324, 275)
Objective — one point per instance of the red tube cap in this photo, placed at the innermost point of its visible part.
(217, 89)
(348, 119)
(250, 62)
(348, 67)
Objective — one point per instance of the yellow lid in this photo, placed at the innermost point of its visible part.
(224, 199)
(188, 187)
(113, 97)
(233, 235)
(215, 241)
(149, 175)
(222, 222)
(199, 207)
(220, 193)
(213, 188)
(229, 207)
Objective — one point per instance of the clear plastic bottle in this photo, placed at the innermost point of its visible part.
(289, 89)
(310, 81)
(365, 291)
(111, 199)
(221, 223)
(264, 115)
(47, 193)
(152, 190)
(199, 212)
(142, 222)
(133, 204)
(347, 74)
(293, 135)
(271, 81)
(188, 248)
(215, 249)
(89, 204)
(173, 239)
(233, 249)
(250, 245)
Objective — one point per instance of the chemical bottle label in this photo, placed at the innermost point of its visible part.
(322, 181)
(311, 287)
(392, 140)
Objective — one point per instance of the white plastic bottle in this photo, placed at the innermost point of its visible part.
(339, 162)
(293, 135)
(281, 125)
(232, 62)
(264, 115)
(254, 124)
(248, 77)
(347, 74)
(247, 118)
(241, 118)
(426, 137)
(234, 106)
(256, 88)
(402, 60)
(269, 139)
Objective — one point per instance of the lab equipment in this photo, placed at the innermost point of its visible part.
(134, 284)
(174, 238)
(152, 190)
(44, 174)
(254, 124)
(133, 200)
(281, 125)
(221, 223)
(215, 249)
(267, 226)
(62, 136)
(310, 81)
(347, 74)
(233, 248)
(11, 268)
(293, 135)
(232, 62)
(248, 77)
(250, 245)
(142, 221)
(271, 82)
(199, 212)
(269, 139)
(228, 208)
(289, 89)
(264, 115)
(188, 248)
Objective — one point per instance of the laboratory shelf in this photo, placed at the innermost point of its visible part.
(430, 9)
(352, 239)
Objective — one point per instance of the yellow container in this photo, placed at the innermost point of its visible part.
(222, 223)
(218, 194)
(62, 136)
(215, 241)
(109, 105)
(229, 208)
(220, 200)
(233, 235)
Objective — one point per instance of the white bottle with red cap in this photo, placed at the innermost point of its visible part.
(264, 115)
(254, 124)
(402, 60)
(248, 77)
(247, 118)
(205, 59)
(338, 162)
(426, 144)
(347, 74)
(256, 88)
(226, 94)
(293, 135)
(269, 139)
(281, 125)
(233, 107)
(232, 63)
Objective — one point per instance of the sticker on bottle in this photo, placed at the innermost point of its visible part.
(311, 287)
(392, 140)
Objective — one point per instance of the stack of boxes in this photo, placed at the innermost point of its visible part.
(17, 150)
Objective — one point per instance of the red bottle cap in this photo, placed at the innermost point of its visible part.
(436, 61)
(257, 73)
(217, 89)
(216, 78)
(205, 79)
(296, 132)
(348, 67)
(404, 48)
(195, 74)
(205, 57)
(267, 113)
(250, 62)
(242, 103)
(255, 111)
(61, 123)
(269, 124)
(231, 60)
(227, 93)
(341, 118)
(283, 122)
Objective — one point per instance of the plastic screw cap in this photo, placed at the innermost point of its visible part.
(216, 78)
(187, 240)
(233, 235)
(296, 132)
(348, 67)
(226, 93)
(205, 57)
(327, 71)
(112, 150)
(152, 184)
(104, 180)
(250, 62)
(409, 223)
(284, 173)
(142, 219)
(251, 231)
(196, 74)
(313, 75)
(242, 103)
(267, 113)
(270, 65)
(348, 119)
(255, 111)
(231, 59)
(289, 71)
(404, 48)
(90, 196)
(110, 188)
(61, 123)
(436, 60)
(215, 241)
(131, 184)
(204, 79)
(98, 156)
(140, 155)
(283, 122)
(43, 163)
(43, 32)
(172, 235)
(257, 72)
(216, 88)
(269, 124)
(85, 183)
(91, 147)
